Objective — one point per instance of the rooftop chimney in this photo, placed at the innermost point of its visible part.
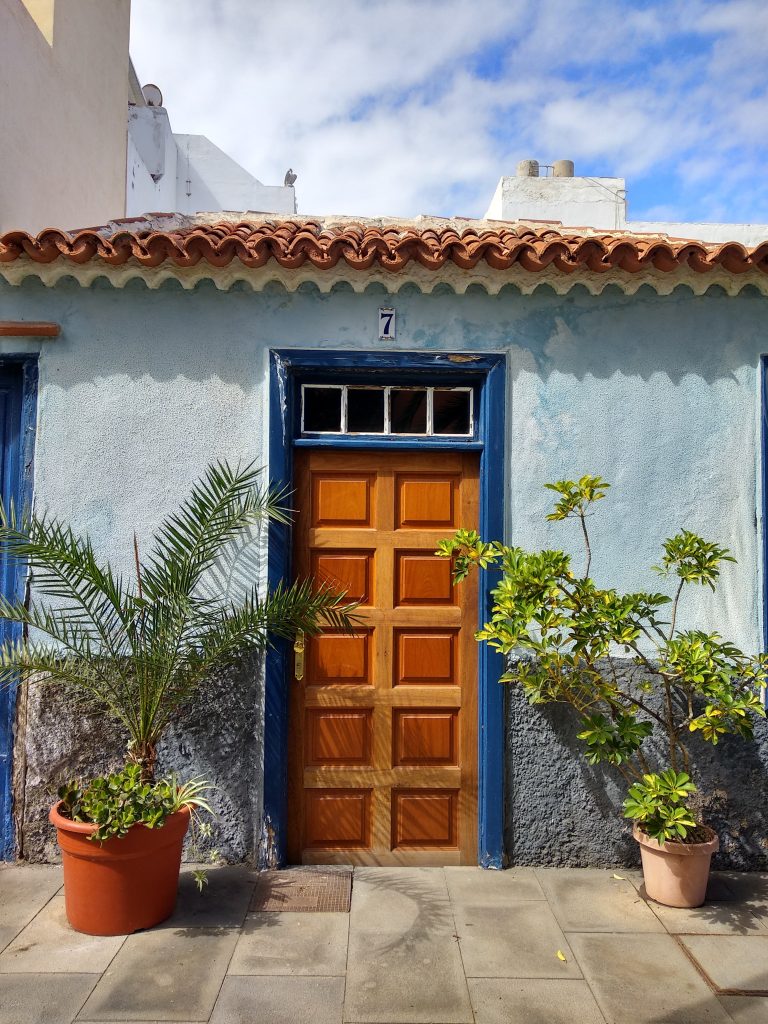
(552, 192)
(528, 169)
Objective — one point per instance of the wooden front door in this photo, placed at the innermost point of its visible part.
(383, 728)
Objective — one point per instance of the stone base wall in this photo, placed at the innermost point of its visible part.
(219, 737)
(562, 812)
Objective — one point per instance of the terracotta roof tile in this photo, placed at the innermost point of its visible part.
(323, 243)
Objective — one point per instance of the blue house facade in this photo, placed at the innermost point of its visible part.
(464, 364)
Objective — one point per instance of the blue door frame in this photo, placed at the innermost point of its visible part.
(18, 405)
(763, 477)
(288, 368)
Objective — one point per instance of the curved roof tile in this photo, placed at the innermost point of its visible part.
(323, 243)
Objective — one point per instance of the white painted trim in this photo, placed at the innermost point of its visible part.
(489, 280)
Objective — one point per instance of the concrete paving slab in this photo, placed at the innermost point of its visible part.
(422, 882)
(49, 945)
(737, 962)
(164, 975)
(404, 965)
(280, 1001)
(751, 885)
(43, 998)
(543, 1001)
(477, 886)
(393, 900)
(746, 1009)
(24, 890)
(645, 979)
(223, 903)
(520, 940)
(307, 944)
(721, 918)
(590, 900)
(751, 890)
(718, 889)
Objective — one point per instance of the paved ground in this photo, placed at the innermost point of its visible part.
(452, 946)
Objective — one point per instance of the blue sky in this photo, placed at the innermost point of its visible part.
(400, 107)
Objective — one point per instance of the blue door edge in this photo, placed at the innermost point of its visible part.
(489, 372)
(762, 499)
(25, 370)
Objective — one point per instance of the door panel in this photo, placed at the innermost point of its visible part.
(383, 729)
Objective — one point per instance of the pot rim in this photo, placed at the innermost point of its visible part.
(672, 848)
(87, 828)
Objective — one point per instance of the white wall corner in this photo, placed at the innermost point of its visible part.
(577, 202)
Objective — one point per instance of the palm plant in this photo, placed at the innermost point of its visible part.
(140, 648)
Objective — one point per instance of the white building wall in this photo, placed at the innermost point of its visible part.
(168, 173)
(64, 89)
(747, 234)
(601, 203)
(592, 202)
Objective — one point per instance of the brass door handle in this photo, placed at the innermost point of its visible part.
(298, 653)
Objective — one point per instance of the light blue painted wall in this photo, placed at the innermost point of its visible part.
(657, 394)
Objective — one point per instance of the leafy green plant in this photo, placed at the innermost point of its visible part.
(659, 803)
(140, 649)
(568, 640)
(117, 802)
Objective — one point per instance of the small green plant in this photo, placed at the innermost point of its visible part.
(568, 640)
(659, 804)
(117, 802)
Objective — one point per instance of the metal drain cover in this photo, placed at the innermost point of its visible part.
(304, 889)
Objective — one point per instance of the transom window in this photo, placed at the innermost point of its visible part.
(394, 411)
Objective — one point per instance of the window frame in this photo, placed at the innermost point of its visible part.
(387, 389)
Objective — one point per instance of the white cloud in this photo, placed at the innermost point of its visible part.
(408, 106)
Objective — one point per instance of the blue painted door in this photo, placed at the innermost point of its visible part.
(11, 442)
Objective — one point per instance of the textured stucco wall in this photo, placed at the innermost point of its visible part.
(660, 395)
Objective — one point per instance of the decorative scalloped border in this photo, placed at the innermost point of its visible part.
(426, 281)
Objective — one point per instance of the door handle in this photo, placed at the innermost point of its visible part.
(298, 655)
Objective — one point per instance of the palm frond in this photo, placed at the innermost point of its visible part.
(141, 651)
(221, 506)
(281, 614)
(87, 676)
(65, 567)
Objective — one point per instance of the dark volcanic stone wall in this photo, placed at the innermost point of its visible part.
(561, 811)
(219, 737)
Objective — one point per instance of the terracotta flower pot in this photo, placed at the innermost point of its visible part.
(676, 874)
(125, 883)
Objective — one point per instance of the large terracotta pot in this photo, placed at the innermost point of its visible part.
(125, 883)
(676, 874)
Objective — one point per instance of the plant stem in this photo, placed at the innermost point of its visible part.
(144, 755)
(674, 608)
(586, 542)
(671, 731)
(138, 563)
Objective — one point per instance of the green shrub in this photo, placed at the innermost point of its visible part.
(565, 639)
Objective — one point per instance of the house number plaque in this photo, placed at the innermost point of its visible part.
(386, 324)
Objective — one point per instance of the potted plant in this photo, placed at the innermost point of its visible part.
(565, 640)
(139, 649)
